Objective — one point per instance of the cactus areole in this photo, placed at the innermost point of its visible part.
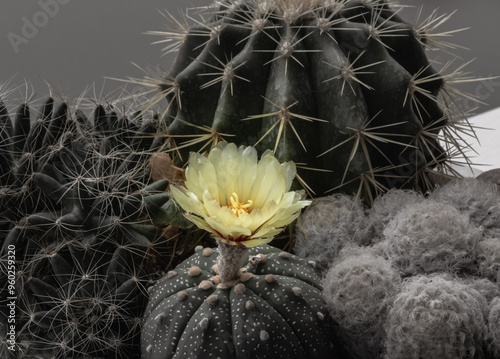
(341, 87)
(273, 310)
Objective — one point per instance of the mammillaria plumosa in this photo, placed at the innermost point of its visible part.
(435, 317)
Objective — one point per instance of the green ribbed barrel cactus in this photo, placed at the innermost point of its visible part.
(341, 87)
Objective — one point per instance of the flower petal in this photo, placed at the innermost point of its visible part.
(268, 180)
(188, 201)
(257, 242)
(261, 202)
(227, 232)
(201, 175)
(248, 173)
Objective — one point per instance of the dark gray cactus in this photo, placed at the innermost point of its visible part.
(275, 310)
(343, 86)
(90, 304)
(69, 184)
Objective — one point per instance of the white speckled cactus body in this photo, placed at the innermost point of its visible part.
(274, 311)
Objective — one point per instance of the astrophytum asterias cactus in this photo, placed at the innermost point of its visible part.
(244, 302)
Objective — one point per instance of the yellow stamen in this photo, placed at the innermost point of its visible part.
(238, 207)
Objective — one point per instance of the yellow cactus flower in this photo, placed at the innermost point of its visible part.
(238, 198)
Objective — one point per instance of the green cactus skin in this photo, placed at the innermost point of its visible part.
(275, 310)
(343, 86)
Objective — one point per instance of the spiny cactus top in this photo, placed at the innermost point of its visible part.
(77, 205)
(343, 86)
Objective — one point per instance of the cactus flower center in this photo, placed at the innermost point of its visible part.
(238, 207)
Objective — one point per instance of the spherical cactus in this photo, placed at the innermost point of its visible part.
(491, 176)
(246, 301)
(90, 303)
(479, 199)
(69, 182)
(487, 288)
(328, 225)
(359, 289)
(275, 310)
(388, 205)
(339, 85)
(435, 317)
(429, 237)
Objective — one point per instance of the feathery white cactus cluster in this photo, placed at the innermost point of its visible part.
(442, 249)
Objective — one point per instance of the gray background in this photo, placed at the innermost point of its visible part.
(79, 42)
